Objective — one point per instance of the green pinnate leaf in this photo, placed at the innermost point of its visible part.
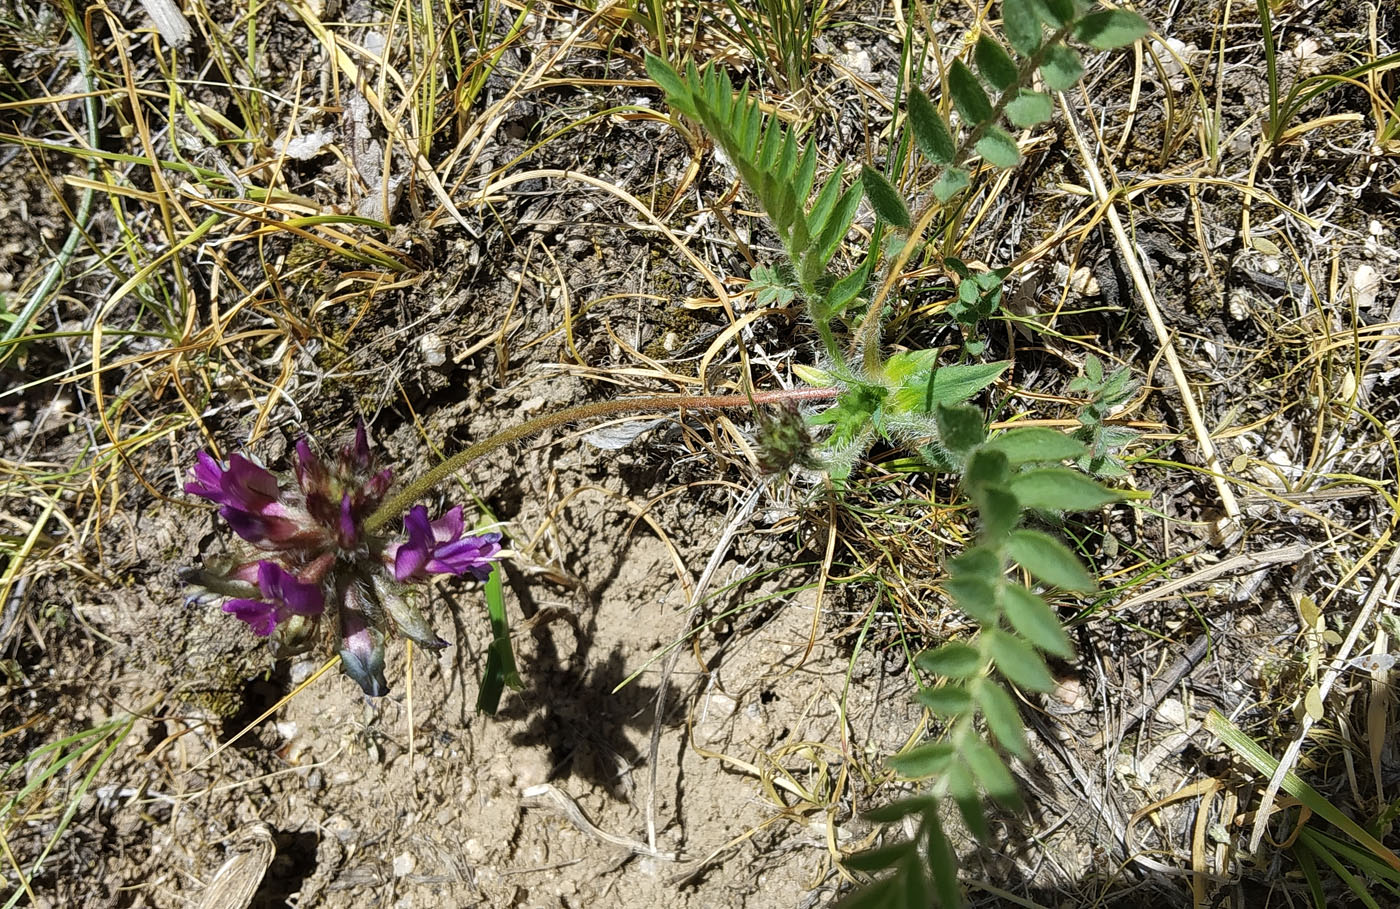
(1048, 559)
(975, 596)
(1060, 489)
(1111, 28)
(959, 427)
(1055, 12)
(880, 895)
(1000, 512)
(943, 864)
(899, 810)
(998, 148)
(1036, 444)
(931, 133)
(962, 787)
(991, 772)
(1029, 108)
(1062, 68)
(1003, 719)
(1034, 620)
(844, 291)
(911, 873)
(923, 761)
(987, 467)
(977, 562)
(677, 93)
(952, 181)
(954, 660)
(1021, 24)
(945, 701)
(1018, 661)
(968, 96)
(880, 858)
(885, 199)
(832, 233)
(994, 63)
(852, 414)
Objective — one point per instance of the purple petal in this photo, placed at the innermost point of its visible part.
(256, 528)
(261, 617)
(311, 473)
(418, 528)
(448, 527)
(248, 486)
(250, 527)
(283, 588)
(473, 554)
(409, 561)
(348, 531)
(207, 478)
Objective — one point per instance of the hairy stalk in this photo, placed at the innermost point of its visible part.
(867, 337)
(399, 503)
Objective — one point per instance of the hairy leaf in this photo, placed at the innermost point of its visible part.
(952, 181)
(670, 81)
(885, 199)
(998, 148)
(1111, 28)
(959, 427)
(963, 790)
(880, 858)
(899, 810)
(975, 596)
(945, 701)
(1048, 559)
(990, 771)
(987, 467)
(1060, 489)
(954, 660)
(1029, 108)
(995, 63)
(968, 96)
(1036, 444)
(844, 291)
(833, 232)
(1022, 25)
(1034, 620)
(979, 561)
(1017, 660)
(1002, 717)
(1055, 12)
(943, 863)
(923, 761)
(922, 392)
(880, 895)
(1000, 512)
(930, 131)
(1061, 68)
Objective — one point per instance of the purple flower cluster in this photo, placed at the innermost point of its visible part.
(315, 571)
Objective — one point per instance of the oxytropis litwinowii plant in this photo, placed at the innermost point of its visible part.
(311, 570)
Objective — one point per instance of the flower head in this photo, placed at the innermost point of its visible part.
(316, 564)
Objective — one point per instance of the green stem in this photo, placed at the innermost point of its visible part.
(400, 502)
